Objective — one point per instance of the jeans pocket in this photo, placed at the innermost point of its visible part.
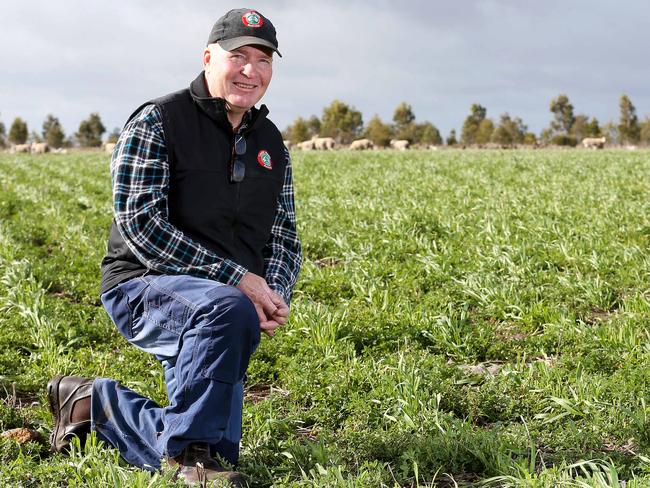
(165, 310)
(123, 304)
(116, 305)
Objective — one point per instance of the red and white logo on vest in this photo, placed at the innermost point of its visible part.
(264, 158)
(252, 19)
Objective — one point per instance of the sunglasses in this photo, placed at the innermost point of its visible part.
(238, 166)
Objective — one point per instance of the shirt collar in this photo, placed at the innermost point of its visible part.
(215, 107)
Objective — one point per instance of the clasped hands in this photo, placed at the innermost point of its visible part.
(271, 308)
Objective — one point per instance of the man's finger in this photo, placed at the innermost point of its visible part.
(280, 319)
(269, 325)
(269, 308)
(282, 307)
(260, 313)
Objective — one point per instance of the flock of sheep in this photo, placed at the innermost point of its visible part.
(34, 148)
(44, 147)
(314, 144)
(328, 143)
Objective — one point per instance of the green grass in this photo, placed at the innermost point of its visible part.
(462, 318)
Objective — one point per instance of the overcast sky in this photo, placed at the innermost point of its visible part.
(73, 57)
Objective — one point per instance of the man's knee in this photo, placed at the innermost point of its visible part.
(234, 310)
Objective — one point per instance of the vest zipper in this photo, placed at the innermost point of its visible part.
(238, 199)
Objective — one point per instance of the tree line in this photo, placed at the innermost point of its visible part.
(345, 124)
(89, 133)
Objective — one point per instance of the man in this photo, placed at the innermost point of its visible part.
(203, 254)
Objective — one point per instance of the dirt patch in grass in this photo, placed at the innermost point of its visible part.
(328, 262)
(259, 393)
(18, 399)
(598, 315)
(628, 448)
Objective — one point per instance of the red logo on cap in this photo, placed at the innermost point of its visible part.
(252, 19)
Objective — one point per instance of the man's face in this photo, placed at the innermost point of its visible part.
(241, 76)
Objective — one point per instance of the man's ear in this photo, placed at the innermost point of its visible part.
(207, 55)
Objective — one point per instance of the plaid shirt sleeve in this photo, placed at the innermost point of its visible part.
(140, 177)
(282, 254)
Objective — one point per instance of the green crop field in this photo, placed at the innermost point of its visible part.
(463, 318)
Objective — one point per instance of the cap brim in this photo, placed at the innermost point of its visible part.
(236, 42)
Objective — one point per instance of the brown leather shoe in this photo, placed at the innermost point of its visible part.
(195, 465)
(63, 393)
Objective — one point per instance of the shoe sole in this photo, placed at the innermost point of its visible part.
(55, 408)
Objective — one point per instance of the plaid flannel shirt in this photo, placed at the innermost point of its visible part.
(140, 177)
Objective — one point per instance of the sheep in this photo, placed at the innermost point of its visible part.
(400, 145)
(361, 144)
(593, 142)
(40, 148)
(306, 145)
(20, 148)
(108, 147)
(324, 143)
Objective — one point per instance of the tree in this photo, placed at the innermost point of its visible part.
(577, 129)
(471, 124)
(53, 131)
(34, 137)
(427, 133)
(530, 139)
(114, 135)
(298, 131)
(610, 132)
(403, 116)
(3, 135)
(510, 131)
(563, 117)
(628, 126)
(645, 132)
(378, 132)
(90, 131)
(484, 132)
(404, 123)
(313, 126)
(18, 132)
(583, 127)
(342, 122)
(564, 140)
(592, 129)
(451, 138)
(546, 135)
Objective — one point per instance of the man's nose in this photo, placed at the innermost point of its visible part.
(248, 69)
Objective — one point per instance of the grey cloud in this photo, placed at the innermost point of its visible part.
(505, 54)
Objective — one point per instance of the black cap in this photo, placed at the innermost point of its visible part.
(244, 27)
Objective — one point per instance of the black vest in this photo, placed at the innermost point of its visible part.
(231, 219)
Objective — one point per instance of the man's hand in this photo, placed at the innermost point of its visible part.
(271, 309)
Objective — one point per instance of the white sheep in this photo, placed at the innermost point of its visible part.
(400, 145)
(324, 143)
(361, 144)
(40, 148)
(594, 142)
(306, 145)
(20, 148)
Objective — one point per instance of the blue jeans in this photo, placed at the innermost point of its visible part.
(203, 333)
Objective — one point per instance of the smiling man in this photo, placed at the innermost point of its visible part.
(202, 255)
